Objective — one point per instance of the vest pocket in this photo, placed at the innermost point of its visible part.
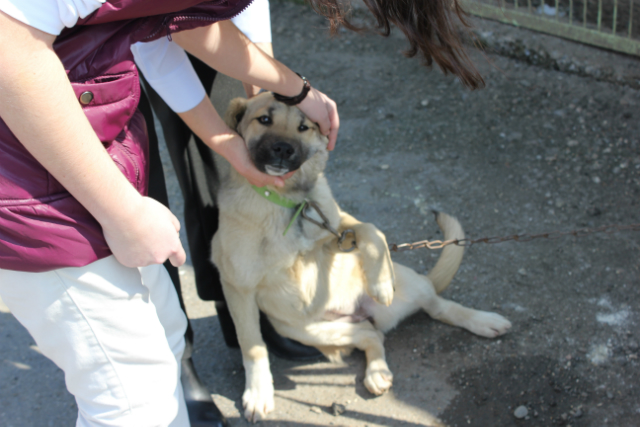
(109, 102)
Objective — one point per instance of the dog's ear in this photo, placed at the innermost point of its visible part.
(235, 112)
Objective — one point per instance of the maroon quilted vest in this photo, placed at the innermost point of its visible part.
(42, 227)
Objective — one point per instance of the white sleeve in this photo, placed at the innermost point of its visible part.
(50, 16)
(168, 70)
(255, 22)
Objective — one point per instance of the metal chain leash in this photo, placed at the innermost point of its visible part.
(439, 244)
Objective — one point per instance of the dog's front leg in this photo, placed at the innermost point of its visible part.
(376, 259)
(257, 399)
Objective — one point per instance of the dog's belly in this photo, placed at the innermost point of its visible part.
(360, 313)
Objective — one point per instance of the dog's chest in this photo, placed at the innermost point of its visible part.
(301, 265)
(308, 225)
(305, 235)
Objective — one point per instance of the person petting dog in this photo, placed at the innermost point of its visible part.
(196, 170)
(80, 242)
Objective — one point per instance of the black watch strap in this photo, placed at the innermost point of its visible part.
(295, 100)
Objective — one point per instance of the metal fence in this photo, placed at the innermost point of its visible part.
(611, 24)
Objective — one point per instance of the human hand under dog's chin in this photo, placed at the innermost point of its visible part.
(322, 110)
(233, 148)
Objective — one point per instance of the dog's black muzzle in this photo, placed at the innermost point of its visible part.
(277, 155)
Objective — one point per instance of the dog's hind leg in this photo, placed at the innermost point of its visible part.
(415, 291)
(363, 336)
(483, 323)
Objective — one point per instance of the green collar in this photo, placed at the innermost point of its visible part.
(276, 198)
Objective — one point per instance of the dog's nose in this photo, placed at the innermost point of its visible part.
(283, 150)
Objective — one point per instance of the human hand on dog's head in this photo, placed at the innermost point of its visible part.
(322, 110)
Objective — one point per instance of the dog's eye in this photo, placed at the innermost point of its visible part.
(265, 120)
(302, 128)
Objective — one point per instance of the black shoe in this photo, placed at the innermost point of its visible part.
(278, 345)
(202, 411)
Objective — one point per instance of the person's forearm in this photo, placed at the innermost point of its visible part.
(266, 47)
(252, 90)
(204, 121)
(39, 106)
(223, 47)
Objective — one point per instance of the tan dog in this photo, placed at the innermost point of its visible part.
(310, 290)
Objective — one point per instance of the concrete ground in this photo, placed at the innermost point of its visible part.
(541, 148)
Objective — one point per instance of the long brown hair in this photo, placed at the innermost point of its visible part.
(429, 25)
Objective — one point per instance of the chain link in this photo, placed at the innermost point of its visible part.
(439, 244)
(327, 226)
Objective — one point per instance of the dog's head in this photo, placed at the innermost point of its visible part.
(280, 138)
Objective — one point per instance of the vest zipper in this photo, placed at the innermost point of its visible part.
(168, 20)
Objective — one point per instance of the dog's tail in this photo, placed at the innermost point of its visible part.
(451, 257)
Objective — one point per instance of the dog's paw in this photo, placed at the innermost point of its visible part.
(488, 324)
(257, 399)
(382, 292)
(257, 403)
(378, 380)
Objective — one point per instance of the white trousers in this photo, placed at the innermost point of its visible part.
(116, 332)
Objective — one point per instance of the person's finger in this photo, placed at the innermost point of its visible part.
(276, 181)
(288, 175)
(175, 221)
(333, 137)
(178, 258)
(255, 177)
(263, 180)
(325, 126)
(335, 124)
(320, 110)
